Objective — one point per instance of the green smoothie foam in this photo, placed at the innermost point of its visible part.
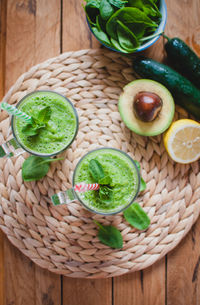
(58, 132)
(124, 177)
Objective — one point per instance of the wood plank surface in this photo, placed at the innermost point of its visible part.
(32, 35)
(30, 32)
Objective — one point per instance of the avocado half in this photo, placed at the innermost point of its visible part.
(163, 119)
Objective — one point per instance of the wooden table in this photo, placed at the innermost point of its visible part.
(32, 31)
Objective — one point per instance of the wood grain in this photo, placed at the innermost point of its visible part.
(147, 286)
(183, 271)
(75, 31)
(19, 277)
(87, 292)
(33, 35)
(47, 287)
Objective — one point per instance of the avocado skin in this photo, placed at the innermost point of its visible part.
(160, 123)
(183, 91)
(184, 60)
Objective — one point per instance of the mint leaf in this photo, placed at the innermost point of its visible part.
(137, 217)
(29, 130)
(105, 180)
(44, 114)
(38, 121)
(110, 236)
(105, 194)
(35, 168)
(118, 3)
(96, 170)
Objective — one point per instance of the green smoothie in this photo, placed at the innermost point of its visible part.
(59, 131)
(123, 172)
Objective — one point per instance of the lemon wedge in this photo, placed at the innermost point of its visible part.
(182, 141)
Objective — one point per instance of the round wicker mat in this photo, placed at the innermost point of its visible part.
(64, 239)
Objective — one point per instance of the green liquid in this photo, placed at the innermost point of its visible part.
(124, 176)
(60, 129)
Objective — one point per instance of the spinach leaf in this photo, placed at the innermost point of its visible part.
(110, 236)
(92, 10)
(101, 35)
(129, 16)
(35, 168)
(105, 194)
(142, 182)
(117, 46)
(143, 185)
(118, 3)
(147, 6)
(137, 164)
(100, 24)
(126, 38)
(96, 170)
(106, 9)
(137, 217)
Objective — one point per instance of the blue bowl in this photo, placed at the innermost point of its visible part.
(145, 45)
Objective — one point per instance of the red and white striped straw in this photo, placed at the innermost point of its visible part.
(83, 187)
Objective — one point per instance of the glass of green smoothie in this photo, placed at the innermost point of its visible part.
(124, 182)
(56, 132)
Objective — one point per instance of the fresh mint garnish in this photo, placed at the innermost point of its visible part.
(35, 168)
(137, 217)
(105, 181)
(105, 194)
(38, 122)
(110, 236)
(44, 115)
(96, 170)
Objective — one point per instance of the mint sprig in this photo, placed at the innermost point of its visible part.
(38, 122)
(105, 181)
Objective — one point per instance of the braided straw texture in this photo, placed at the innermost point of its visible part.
(64, 239)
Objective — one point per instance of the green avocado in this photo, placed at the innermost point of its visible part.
(129, 116)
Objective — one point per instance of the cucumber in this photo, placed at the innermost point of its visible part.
(183, 59)
(184, 92)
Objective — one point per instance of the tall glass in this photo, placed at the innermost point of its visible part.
(125, 176)
(17, 145)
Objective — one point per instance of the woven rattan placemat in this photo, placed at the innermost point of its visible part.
(64, 239)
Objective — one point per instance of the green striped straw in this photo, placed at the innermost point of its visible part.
(15, 111)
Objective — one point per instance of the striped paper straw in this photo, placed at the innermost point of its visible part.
(14, 111)
(83, 187)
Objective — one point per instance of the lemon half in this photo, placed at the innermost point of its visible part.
(182, 141)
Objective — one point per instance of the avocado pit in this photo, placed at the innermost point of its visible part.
(147, 105)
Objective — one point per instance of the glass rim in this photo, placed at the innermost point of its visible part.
(132, 199)
(43, 154)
